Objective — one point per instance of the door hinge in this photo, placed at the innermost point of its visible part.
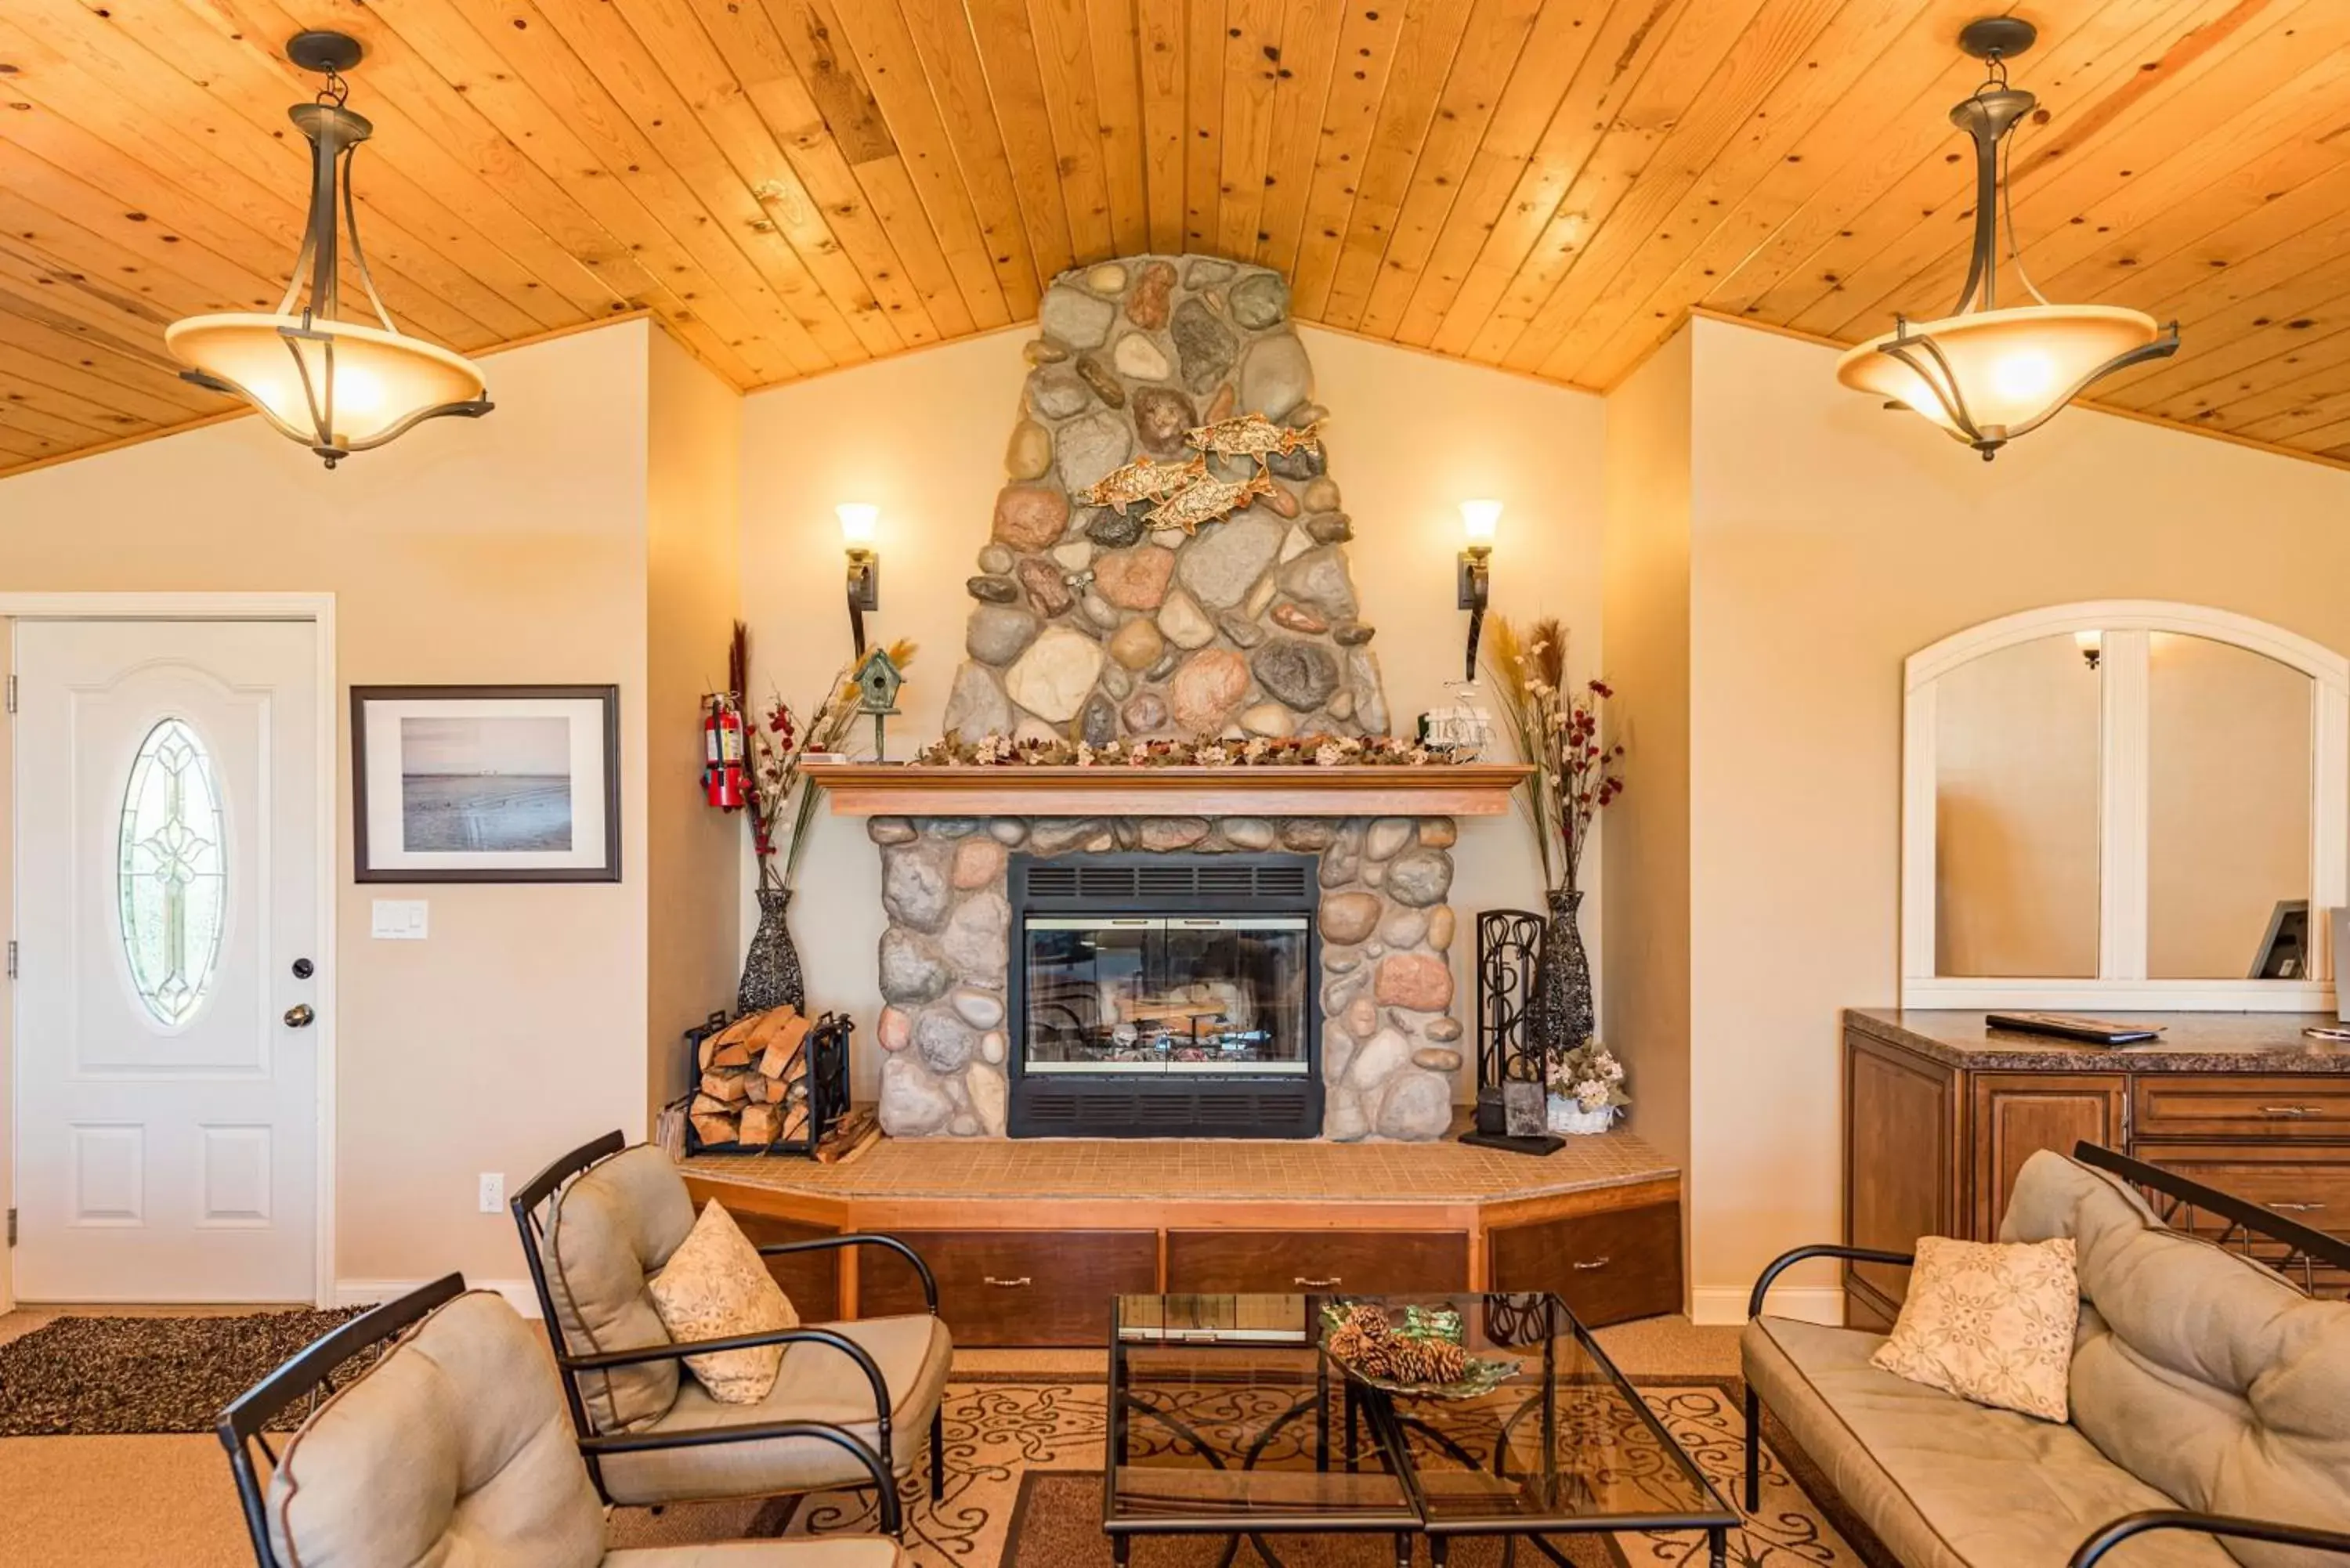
(12, 1226)
(12, 957)
(12, 693)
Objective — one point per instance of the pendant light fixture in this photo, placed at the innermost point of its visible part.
(336, 386)
(1985, 373)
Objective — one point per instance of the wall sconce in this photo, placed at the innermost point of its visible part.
(2091, 645)
(856, 526)
(1478, 521)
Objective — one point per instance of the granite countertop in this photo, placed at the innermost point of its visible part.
(2191, 1043)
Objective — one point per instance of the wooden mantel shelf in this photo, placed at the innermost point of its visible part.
(872, 789)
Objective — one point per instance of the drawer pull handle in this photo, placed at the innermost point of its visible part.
(1329, 1284)
(1020, 1283)
(2289, 1110)
(2297, 1207)
(1595, 1263)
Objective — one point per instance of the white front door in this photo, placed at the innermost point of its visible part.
(168, 931)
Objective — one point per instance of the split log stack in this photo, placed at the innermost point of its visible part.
(755, 1081)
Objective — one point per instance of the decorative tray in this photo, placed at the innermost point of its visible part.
(1419, 1358)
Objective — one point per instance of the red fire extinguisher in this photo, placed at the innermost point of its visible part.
(723, 783)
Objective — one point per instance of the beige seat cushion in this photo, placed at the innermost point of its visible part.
(830, 1552)
(611, 1228)
(1945, 1483)
(819, 1384)
(715, 1286)
(1989, 1322)
(454, 1448)
(2204, 1373)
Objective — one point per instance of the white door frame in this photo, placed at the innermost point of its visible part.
(318, 609)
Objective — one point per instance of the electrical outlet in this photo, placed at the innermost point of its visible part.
(494, 1192)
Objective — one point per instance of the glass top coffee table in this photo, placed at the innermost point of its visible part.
(1225, 1418)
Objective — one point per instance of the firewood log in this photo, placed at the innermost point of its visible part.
(796, 1122)
(783, 1047)
(761, 1124)
(727, 1086)
(709, 1105)
(716, 1130)
(735, 1054)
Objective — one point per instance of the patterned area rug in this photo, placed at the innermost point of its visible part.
(1024, 1491)
(98, 1377)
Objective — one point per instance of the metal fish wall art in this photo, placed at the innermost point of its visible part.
(1144, 479)
(1206, 500)
(1253, 435)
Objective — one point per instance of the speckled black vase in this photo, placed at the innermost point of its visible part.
(1559, 1015)
(771, 970)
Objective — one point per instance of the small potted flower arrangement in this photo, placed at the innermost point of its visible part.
(1586, 1089)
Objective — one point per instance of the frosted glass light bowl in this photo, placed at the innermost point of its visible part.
(2013, 368)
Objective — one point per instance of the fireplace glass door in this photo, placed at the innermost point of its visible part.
(1178, 994)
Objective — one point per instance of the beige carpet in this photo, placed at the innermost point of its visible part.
(62, 1498)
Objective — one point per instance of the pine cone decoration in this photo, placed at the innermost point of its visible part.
(1427, 1361)
(1364, 1341)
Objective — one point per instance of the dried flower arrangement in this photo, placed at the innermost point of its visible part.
(777, 746)
(1575, 766)
(998, 750)
(1590, 1075)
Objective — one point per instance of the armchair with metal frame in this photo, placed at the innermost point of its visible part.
(2284, 1245)
(738, 1464)
(538, 1500)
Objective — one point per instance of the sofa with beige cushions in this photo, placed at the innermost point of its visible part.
(2201, 1384)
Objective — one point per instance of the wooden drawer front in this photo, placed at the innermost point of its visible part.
(2291, 1106)
(1607, 1267)
(2313, 1186)
(1016, 1287)
(1387, 1262)
(2017, 1114)
(811, 1279)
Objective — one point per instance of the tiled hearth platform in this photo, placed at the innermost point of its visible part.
(1029, 1237)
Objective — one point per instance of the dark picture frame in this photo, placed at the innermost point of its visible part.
(2284, 947)
(536, 820)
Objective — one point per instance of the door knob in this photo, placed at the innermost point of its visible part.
(304, 968)
(299, 1016)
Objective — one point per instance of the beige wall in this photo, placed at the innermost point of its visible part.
(695, 855)
(511, 549)
(922, 437)
(1646, 1011)
(1829, 540)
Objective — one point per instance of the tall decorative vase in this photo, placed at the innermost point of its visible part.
(771, 970)
(1559, 1015)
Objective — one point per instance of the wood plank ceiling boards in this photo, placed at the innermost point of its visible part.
(1548, 186)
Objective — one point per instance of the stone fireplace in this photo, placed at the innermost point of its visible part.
(1361, 1040)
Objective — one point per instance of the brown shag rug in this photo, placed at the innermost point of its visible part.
(98, 1377)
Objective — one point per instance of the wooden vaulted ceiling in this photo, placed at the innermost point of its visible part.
(1545, 185)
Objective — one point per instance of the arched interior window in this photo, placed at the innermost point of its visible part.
(2126, 805)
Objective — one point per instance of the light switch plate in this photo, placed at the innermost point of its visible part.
(399, 919)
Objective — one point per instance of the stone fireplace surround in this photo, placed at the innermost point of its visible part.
(1391, 1036)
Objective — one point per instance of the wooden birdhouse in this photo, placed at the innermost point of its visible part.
(877, 680)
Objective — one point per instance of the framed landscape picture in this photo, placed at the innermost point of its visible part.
(486, 783)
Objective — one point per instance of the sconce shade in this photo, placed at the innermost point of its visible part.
(378, 383)
(2004, 370)
(858, 521)
(1480, 520)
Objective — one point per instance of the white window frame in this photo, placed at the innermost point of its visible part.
(2122, 983)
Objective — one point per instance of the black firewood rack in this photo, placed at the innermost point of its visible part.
(827, 1085)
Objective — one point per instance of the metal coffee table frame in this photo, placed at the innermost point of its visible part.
(1391, 1424)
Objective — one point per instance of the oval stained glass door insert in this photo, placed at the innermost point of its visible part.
(172, 872)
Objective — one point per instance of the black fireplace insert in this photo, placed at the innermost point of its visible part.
(1164, 995)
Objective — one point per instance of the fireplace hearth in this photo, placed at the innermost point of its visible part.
(1164, 995)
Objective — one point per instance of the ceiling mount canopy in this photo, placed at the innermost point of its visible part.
(337, 386)
(1988, 373)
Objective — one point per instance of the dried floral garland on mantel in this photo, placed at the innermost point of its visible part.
(995, 750)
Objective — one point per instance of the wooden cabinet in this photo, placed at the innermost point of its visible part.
(1376, 1263)
(1016, 1287)
(1938, 1126)
(2017, 1114)
(1608, 1266)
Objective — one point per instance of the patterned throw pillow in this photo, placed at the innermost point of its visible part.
(1989, 1322)
(715, 1286)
